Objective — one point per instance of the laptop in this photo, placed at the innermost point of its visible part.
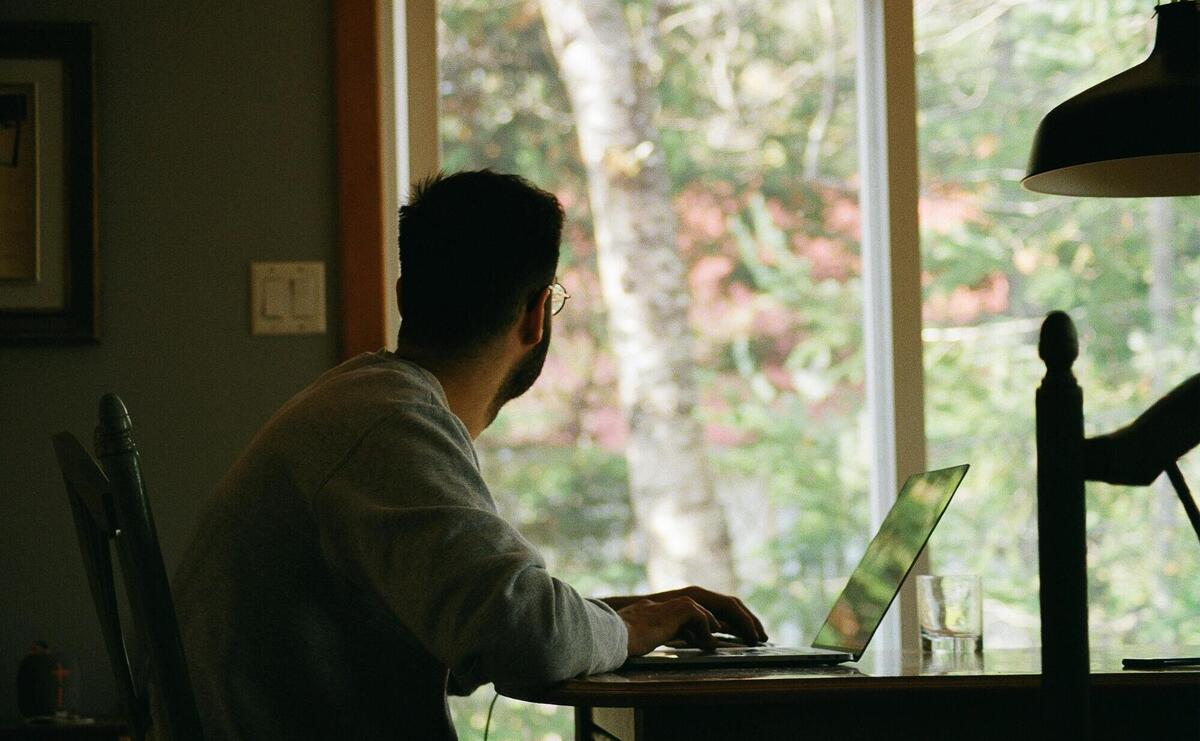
(860, 608)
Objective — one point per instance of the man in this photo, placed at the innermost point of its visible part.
(352, 563)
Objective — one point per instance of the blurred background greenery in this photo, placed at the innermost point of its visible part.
(753, 103)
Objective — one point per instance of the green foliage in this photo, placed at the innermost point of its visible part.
(983, 89)
(574, 503)
(511, 719)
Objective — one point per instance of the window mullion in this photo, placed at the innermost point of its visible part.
(891, 272)
(411, 125)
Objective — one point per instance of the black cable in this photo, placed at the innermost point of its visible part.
(487, 725)
(1185, 496)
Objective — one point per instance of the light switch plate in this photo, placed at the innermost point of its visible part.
(287, 298)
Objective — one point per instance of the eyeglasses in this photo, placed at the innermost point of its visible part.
(558, 298)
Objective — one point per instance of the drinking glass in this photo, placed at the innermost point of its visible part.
(951, 610)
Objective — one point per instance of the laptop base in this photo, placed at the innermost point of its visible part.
(736, 657)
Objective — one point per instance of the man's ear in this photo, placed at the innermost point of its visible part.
(533, 321)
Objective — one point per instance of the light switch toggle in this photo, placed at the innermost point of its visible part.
(287, 298)
(275, 298)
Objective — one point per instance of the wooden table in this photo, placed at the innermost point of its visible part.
(995, 695)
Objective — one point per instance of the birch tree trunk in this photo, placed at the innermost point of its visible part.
(645, 291)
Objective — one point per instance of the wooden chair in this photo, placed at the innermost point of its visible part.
(109, 504)
(1062, 541)
(1134, 455)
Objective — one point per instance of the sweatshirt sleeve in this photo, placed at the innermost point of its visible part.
(407, 517)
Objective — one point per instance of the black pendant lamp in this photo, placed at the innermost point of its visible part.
(1135, 134)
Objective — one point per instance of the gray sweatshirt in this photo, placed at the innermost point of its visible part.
(352, 556)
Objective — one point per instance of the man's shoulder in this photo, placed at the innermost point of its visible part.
(372, 394)
(362, 391)
(348, 401)
(380, 377)
(368, 401)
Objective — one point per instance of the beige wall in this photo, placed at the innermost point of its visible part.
(215, 140)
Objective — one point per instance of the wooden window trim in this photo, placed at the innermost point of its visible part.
(385, 77)
(360, 176)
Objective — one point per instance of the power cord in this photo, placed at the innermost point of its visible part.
(487, 726)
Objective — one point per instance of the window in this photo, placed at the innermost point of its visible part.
(718, 145)
(995, 260)
(773, 181)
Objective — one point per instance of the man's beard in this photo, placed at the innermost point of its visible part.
(524, 373)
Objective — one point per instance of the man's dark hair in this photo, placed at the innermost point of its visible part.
(475, 249)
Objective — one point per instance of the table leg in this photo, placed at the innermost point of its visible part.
(606, 724)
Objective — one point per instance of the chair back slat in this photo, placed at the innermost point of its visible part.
(84, 477)
(90, 499)
(117, 496)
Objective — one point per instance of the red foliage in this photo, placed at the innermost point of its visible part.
(772, 321)
(606, 427)
(778, 376)
(842, 215)
(827, 258)
(966, 303)
(946, 212)
(724, 435)
(701, 217)
(706, 276)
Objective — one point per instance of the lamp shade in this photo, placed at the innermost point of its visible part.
(1135, 134)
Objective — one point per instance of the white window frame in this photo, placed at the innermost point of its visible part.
(409, 78)
(891, 259)
(891, 264)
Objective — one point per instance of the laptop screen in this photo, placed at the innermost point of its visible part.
(889, 557)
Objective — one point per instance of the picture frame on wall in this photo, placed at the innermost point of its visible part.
(48, 239)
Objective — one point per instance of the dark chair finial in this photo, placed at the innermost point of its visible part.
(1058, 345)
(114, 431)
(113, 414)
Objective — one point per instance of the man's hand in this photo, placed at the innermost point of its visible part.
(652, 624)
(692, 614)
